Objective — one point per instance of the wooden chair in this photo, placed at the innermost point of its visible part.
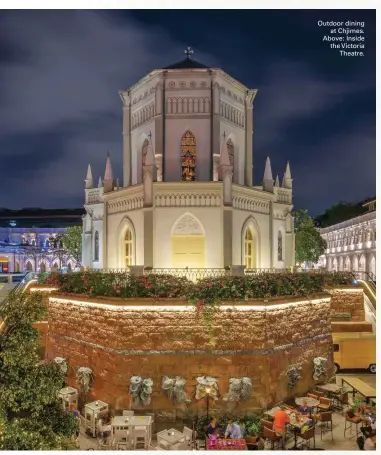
(307, 436)
(325, 419)
(188, 433)
(271, 436)
(318, 393)
(267, 424)
(312, 395)
(324, 404)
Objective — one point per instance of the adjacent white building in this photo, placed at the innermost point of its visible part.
(188, 198)
(351, 245)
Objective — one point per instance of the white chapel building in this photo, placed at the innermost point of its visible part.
(187, 198)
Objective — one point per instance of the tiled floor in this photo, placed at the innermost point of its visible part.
(339, 442)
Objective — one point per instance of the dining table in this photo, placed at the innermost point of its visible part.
(226, 444)
(171, 436)
(311, 402)
(332, 388)
(296, 424)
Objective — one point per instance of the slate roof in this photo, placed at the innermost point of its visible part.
(187, 63)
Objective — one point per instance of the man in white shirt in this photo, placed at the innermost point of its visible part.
(233, 430)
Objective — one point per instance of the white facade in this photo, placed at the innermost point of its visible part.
(351, 245)
(188, 198)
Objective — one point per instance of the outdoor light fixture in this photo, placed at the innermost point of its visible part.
(354, 282)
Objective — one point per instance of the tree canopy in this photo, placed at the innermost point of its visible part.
(31, 416)
(72, 242)
(309, 244)
(338, 213)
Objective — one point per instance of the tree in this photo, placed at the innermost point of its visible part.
(309, 245)
(72, 242)
(338, 213)
(31, 416)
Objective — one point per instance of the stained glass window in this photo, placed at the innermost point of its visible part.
(230, 147)
(144, 154)
(249, 249)
(280, 247)
(128, 248)
(188, 157)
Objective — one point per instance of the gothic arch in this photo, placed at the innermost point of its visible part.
(334, 264)
(43, 267)
(280, 245)
(124, 226)
(188, 156)
(251, 224)
(187, 224)
(355, 263)
(29, 266)
(362, 264)
(347, 264)
(341, 264)
(372, 264)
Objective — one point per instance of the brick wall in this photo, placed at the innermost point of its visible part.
(348, 300)
(118, 339)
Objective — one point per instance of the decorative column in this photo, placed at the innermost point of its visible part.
(148, 176)
(126, 138)
(249, 137)
(226, 170)
(159, 128)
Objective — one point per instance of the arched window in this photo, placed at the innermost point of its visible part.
(55, 267)
(249, 249)
(128, 248)
(69, 268)
(17, 267)
(188, 157)
(29, 267)
(33, 242)
(144, 154)
(280, 246)
(230, 147)
(96, 246)
(42, 267)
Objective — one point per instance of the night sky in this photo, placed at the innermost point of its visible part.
(60, 73)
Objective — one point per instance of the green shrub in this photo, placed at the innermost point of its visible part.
(205, 291)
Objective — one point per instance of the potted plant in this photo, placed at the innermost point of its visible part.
(252, 429)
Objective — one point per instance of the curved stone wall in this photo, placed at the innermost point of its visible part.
(118, 339)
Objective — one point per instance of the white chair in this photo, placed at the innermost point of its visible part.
(140, 436)
(152, 415)
(121, 439)
(188, 433)
(128, 413)
(180, 446)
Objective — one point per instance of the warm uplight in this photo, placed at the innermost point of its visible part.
(236, 307)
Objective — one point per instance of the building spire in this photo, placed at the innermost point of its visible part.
(287, 179)
(89, 178)
(277, 181)
(268, 181)
(108, 170)
(100, 183)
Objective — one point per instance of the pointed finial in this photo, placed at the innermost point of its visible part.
(188, 52)
(100, 183)
(89, 178)
(268, 182)
(277, 181)
(108, 170)
(287, 179)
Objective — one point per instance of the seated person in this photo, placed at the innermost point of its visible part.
(233, 430)
(304, 409)
(105, 426)
(212, 426)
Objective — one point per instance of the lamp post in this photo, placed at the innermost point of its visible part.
(207, 395)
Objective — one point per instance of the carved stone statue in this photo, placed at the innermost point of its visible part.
(174, 389)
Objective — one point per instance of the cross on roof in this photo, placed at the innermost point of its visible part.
(188, 52)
